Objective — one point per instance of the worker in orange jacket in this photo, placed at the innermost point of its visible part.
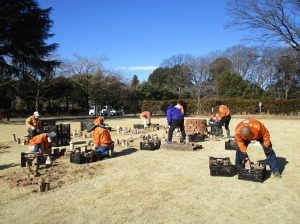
(252, 129)
(101, 138)
(42, 143)
(225, 117)
(146, 116)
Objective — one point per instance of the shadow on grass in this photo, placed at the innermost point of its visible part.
(125, 152)
(281, 162)
(6, 166)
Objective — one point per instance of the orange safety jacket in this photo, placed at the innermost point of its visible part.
(147, 115)
(101, 137)
(223, 111)
(258, 131)
(39, 139)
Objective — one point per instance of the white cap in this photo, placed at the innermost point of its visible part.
(36, 114)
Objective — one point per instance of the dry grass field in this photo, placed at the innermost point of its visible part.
(161, 186)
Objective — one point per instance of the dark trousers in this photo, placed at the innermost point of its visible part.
(225, 121)
(269, 152)
(179, 122)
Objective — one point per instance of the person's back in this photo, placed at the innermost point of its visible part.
(102, 137)
(180, 107)
(173, 113)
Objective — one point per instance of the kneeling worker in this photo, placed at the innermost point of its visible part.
(102, 139)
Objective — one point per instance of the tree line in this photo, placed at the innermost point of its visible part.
(32, 77)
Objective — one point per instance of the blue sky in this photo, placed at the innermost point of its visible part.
(137, 35)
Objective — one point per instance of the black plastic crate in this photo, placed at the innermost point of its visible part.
(54, 128)
(64, 134)
(77, 158)
(230, 145)
(219, 161)
(221, 167)
(46, 123)
(150, 145)
(257, 172)
(196, 138)
(138, 126)
(222, 170)
(29, 157)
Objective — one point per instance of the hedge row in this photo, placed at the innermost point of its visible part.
(237, 106)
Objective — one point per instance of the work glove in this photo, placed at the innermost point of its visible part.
(245, 158)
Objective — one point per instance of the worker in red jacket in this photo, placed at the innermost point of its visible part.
(252, 129)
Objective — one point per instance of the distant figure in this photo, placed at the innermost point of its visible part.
(225, 117)
(180, 107)
(42, 143)
(33, 125)
(252, 129)
(146, 117)
(175, 118)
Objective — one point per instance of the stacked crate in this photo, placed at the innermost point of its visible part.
(46, 123)
(63, 135)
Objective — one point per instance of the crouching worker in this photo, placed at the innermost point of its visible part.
(102, 139)
(33, 125)
(42, 143)
(252, 129)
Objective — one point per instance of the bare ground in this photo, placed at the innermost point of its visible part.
(162, 186)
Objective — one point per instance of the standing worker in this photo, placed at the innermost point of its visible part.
(252, 129)
(224, 117)
(175, 118)
(180, 107)
(146, 116)
(33, 125)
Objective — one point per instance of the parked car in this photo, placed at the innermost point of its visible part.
(115, 112)
(106, 111)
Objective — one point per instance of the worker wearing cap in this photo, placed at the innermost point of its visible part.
(102, 139)
(33, 124)
(249, 130)
(99, 121)
(42, 143)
